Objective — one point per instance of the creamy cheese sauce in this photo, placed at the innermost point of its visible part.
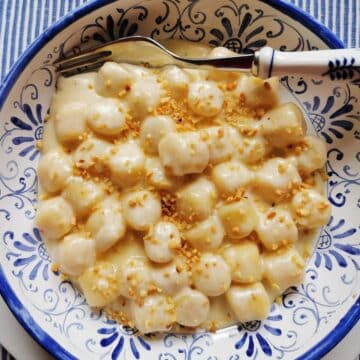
(179, 199)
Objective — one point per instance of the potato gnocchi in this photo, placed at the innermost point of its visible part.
(178, 199)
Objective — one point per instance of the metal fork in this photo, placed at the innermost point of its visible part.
(264, 63)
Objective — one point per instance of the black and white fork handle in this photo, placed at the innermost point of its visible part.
(339, 64)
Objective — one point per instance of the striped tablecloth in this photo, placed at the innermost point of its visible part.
(21, 21)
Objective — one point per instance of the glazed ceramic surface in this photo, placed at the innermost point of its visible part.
(310, 319)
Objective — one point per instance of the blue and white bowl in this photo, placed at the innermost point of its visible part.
(311, 318)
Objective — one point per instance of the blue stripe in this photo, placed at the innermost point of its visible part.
(2, 19)
(331, 20)
(322, 11)
(30, 21)
(53, 15)
(316, 10)
(337, 12)
(346, 18)
(46, 15)
(38, 14)
(13, 33)
(353, 13)
(6, 39)
(22, 25)
(62, 8)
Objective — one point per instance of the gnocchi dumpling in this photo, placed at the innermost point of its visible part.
(137, 72)
(283, 268)
(92, 154)
(99, 284)
(171, 277)
(144, 96)
(134, 278)
(183, 153)
(276, 178)
(276, 228)
(153, 129)
(162, 240)
(211, 275)
(55, 218)
(258, 93)
(120, 310)
(312, 155)
(205, 98)
(230, 176)
(176, 79)
(221, 141)
(238, 218)
(54, 170)
(70, 122)
(206, 235)
(76, 253)
(155, 175)
(218, 74)
(71, 89)
(221, 52)
(244, 261)
(249, 301)
(112, 78)
(107, 117)
(126, 163)
(106, 224)
(141, 209)
(252, 150)
(310, 209)
(192, 307)
(196, 200)
(156, 313)
(83, 195)
(284, 125)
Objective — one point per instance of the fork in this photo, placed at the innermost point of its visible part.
(337, 64)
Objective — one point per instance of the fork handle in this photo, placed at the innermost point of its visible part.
(339, 64)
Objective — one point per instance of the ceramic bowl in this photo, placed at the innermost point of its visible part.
(311, 318)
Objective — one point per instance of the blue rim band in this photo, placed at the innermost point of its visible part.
(22, 315)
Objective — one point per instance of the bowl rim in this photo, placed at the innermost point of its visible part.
(22, 314)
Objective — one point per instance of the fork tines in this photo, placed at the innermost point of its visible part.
(81, 63)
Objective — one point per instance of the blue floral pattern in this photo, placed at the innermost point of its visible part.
(185, 347)
(328, 252)
(33, 125)
(115, 339)
(255, 335)
(339, 114)
(29, 256)
(18, 190)
(343, 69)
(332, 276)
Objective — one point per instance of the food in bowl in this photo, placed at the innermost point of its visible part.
(179, 198)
